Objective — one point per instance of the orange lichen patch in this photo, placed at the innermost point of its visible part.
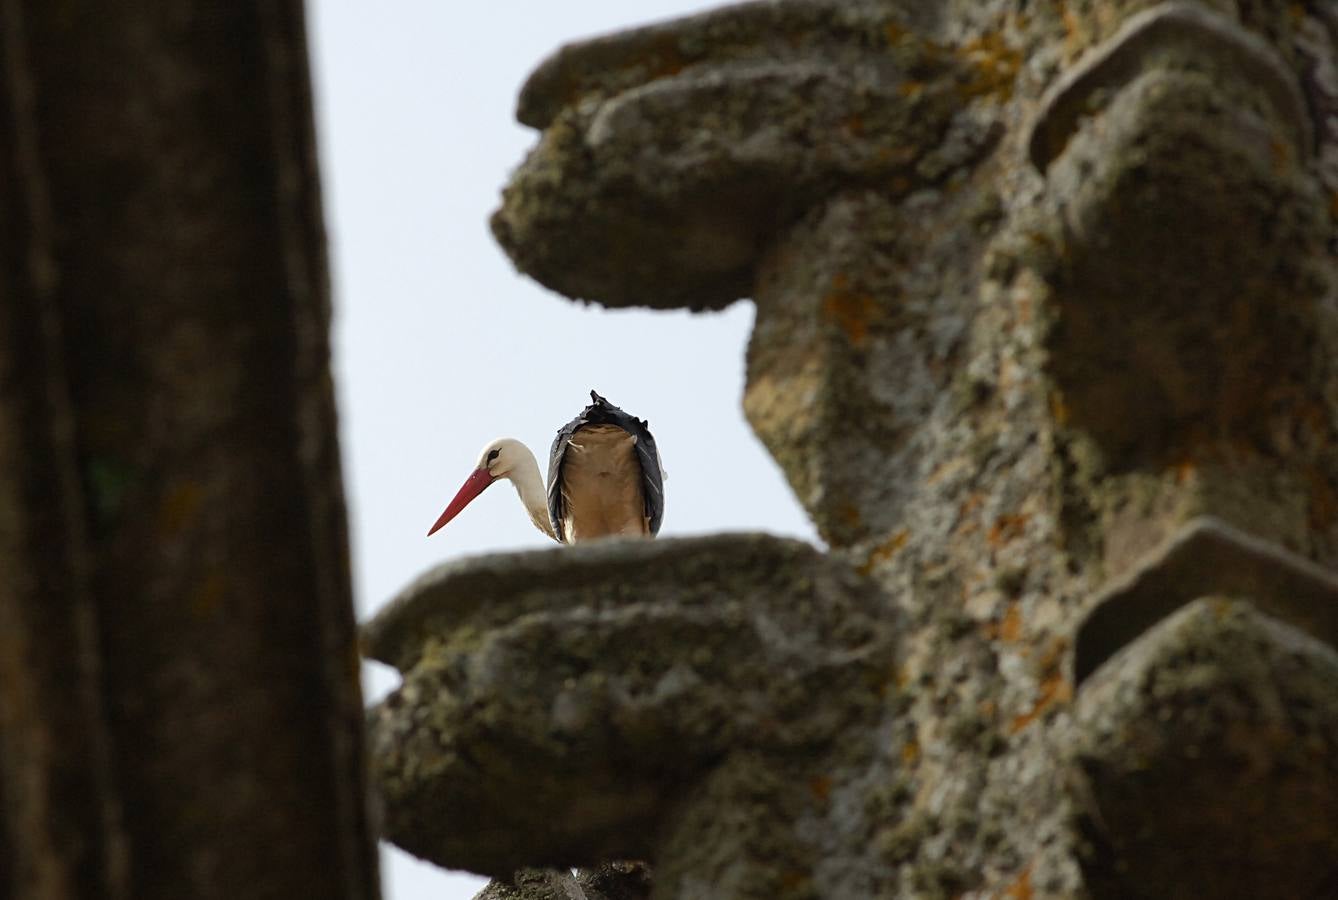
(885, 551)
(1059, 410)
(793, 879)
(1054, 689)
(1053, 655)
(848, 515)
(970, 504)
(820, 787)
(951, 467)
(910, 752)
(1333, 204)
(911, 89)
(894, 33)
(973, 580)
(966, 522)
(855, 125)
(178, 507)
(1021, 888)
(993, 63)
(966, 527)
(1006, 528)
(1024, 306)
(1184, 471)
(849, 309)
(1296, 11)
(1073, 42)
(1008, 627)
(1070, 21)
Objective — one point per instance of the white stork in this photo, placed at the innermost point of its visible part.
(604, 478)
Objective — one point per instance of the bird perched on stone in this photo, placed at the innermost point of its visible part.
(605, 478)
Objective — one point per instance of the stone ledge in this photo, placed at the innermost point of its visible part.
(494, 589)
(558, 705)
(672, 156)
(1207, 557)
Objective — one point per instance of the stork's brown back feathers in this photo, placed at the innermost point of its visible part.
(604, 475)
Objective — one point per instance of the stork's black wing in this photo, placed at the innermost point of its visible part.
(602, 412)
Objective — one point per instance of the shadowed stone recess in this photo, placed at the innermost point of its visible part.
(1208, 557)
(564, 702)
(1208, 753)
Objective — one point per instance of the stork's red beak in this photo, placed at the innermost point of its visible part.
(473, 486)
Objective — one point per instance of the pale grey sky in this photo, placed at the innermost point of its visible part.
(440, 346)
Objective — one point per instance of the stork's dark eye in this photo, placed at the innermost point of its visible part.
(494, 454)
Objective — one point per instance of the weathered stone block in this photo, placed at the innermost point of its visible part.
(672, 155)
(1207, 756)
(1174, 155)
(557, 706)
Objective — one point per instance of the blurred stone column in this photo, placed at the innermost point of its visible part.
(179, 700)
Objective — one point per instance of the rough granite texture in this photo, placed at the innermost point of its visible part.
(1039, 287)
(607, 681)
(1210, 748)
(611, 881)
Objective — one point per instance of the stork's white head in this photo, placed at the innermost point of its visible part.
(501, 457)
